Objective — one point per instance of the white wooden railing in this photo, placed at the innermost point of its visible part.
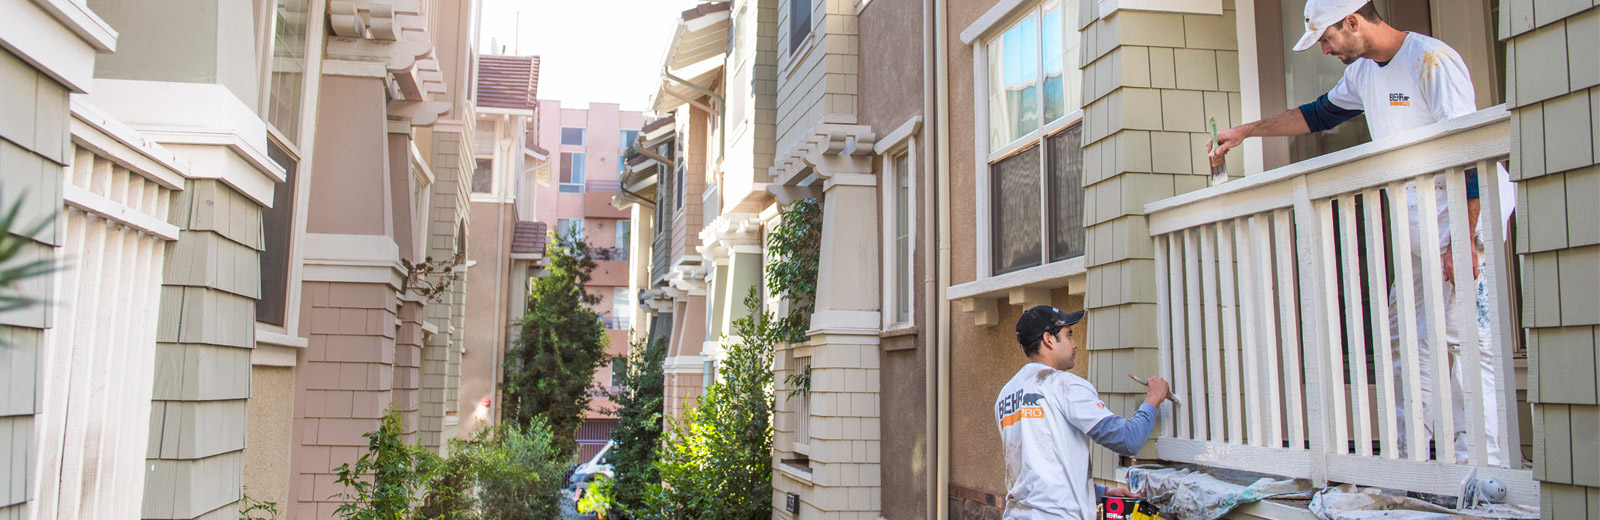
(1274, 295)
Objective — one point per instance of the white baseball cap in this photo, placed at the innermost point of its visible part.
(1321, 14)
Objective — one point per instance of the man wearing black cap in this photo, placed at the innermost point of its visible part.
(1047, 416)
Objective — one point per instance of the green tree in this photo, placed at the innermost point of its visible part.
(639, 424)
(550, 367)
(717, 464)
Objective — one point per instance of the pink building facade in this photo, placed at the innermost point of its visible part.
(574, 188)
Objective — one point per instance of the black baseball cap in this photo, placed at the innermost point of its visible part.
(1040, 319)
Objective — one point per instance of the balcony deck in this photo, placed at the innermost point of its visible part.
(1275, 294)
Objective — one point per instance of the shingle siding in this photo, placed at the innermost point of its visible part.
(1553, 77)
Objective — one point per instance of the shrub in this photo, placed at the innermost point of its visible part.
(451, 483)
(519, 471)
(717, 464)
(598, 498)
(396, 475)
(637, 436)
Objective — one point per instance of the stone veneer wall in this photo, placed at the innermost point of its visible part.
(1553, 91)
(1150, 82)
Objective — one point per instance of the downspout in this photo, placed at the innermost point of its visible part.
(941, 65)
(930, 284)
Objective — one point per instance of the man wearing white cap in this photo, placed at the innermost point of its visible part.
(1401, 80)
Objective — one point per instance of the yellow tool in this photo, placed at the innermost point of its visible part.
(1171, 396)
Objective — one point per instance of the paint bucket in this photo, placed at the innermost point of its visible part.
(1122, 508)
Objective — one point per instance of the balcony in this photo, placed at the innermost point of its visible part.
(1274, 314)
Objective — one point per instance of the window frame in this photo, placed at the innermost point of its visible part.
(471, 185)
(583, 136)
(1039, 137)
(905, 146)
(583, 232)
(577, 169)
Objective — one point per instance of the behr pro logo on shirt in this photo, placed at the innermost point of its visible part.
(1399, 99)
(1019, 406)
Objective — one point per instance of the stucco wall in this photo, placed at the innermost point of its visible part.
(485, 326)
(271, 419)
(891, 94)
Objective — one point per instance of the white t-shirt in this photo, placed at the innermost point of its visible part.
(1425, 83)
(1044, 417)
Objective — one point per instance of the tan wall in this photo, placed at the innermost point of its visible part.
(486, 324)
(271, 419)
(1555, 135)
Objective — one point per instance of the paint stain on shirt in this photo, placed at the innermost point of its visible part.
(1428, 66)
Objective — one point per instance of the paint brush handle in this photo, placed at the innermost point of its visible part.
(1171, 395)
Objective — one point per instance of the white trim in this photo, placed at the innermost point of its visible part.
(1049, 276)
(81, 198)
(269, 355)
(77, 17)
(30, 31)
(888, 156)
(1162, 6)
(351, 258)
(358, 69)
(898, 136)
(109, 138)
(505, 111)
(993, 19)
(267, 336)
(686, 364)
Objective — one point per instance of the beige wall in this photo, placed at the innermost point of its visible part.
(488, 242)
(1555, 135)
(891, 93)
(271, 419)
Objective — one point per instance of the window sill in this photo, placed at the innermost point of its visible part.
(899, 330)
(799, 474)
(1027, 287)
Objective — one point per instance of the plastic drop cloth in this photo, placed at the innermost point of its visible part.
(1346, 503)
(1195, 493)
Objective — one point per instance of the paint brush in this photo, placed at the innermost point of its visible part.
(1171, 395)
(1219, 162)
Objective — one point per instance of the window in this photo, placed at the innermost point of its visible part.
(619, 370)
(628, 136)
(483, 176)
(901, 197)
(288, 67)
(624, 238)
(572, 226)
(1033, 73)
(621, 308)
(573, 136)
(572, 166)
(799, 23)
(1035, 189)
(709, 374)
(679, 173)
(277, 226)
(622, 165)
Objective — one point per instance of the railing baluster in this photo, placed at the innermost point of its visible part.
(1466, 299)
(1500, 330)
(1213, 341)
(1355, 326)
(1266, 330)
(1289, 325)
(1180, 342)
(1434, 315)
(1164, 328)
(1248, 331)
(1196, 346)
(1377, 276)
(1227, 288)
(1332, 360)
(1405, 309)
(1314, 250)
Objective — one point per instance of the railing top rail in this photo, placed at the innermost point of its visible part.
(1464, 140)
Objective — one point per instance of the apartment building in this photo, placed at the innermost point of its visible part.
(1052, 152)
(232, 202)
(572, 192)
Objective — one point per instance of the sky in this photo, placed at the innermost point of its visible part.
(591, 51)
